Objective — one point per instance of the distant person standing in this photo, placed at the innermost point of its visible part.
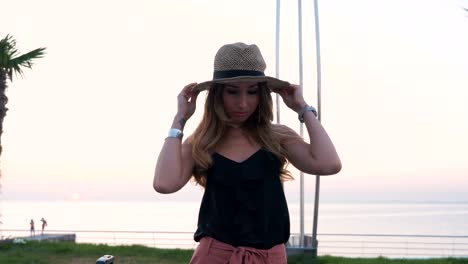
(44, 224)
(33, 230)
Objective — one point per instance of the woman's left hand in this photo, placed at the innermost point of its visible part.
(292, 96)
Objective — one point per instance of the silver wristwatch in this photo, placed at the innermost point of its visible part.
(304, 109)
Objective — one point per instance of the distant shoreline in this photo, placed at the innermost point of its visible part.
(196, 202)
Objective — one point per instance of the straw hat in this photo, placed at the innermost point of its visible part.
(240, 62)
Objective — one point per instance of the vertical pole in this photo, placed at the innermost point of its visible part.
(278, 2)
(319, 108)
(301, 82)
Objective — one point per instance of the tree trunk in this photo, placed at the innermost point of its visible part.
(3, 102)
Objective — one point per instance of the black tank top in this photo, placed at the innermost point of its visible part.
(244, 203)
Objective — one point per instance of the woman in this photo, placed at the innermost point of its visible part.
(240, 158)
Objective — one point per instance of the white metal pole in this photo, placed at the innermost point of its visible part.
(301, 82)
(319, 108)
(278, 2)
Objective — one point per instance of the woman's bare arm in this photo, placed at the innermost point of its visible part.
(174, 166)
(317, 157)
(175, 163)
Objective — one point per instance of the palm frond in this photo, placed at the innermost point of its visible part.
(7, 50)
(24, 60)
(10, 59)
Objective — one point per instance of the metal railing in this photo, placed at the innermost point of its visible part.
(348, 245)
(393, 246)
(159, 239)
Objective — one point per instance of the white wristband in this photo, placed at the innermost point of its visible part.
(175, 133)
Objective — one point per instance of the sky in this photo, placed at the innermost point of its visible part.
(88, 121)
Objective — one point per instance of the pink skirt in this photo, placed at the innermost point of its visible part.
(212, 251)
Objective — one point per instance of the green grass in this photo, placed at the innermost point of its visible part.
(67, 252)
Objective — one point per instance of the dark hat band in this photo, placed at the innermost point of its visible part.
(235, 73)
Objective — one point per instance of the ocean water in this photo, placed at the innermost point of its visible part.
(360, 218)
(337, 219)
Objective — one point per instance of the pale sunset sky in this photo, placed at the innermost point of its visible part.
(89, 120)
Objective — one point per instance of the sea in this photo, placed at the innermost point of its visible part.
(335, 220)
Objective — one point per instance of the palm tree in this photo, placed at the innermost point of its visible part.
(12, 62)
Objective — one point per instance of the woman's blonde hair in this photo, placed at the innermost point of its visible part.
(215, 122)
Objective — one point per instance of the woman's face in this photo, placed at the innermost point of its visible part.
(240, 100)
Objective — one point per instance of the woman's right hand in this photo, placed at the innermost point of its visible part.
(186, 101)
